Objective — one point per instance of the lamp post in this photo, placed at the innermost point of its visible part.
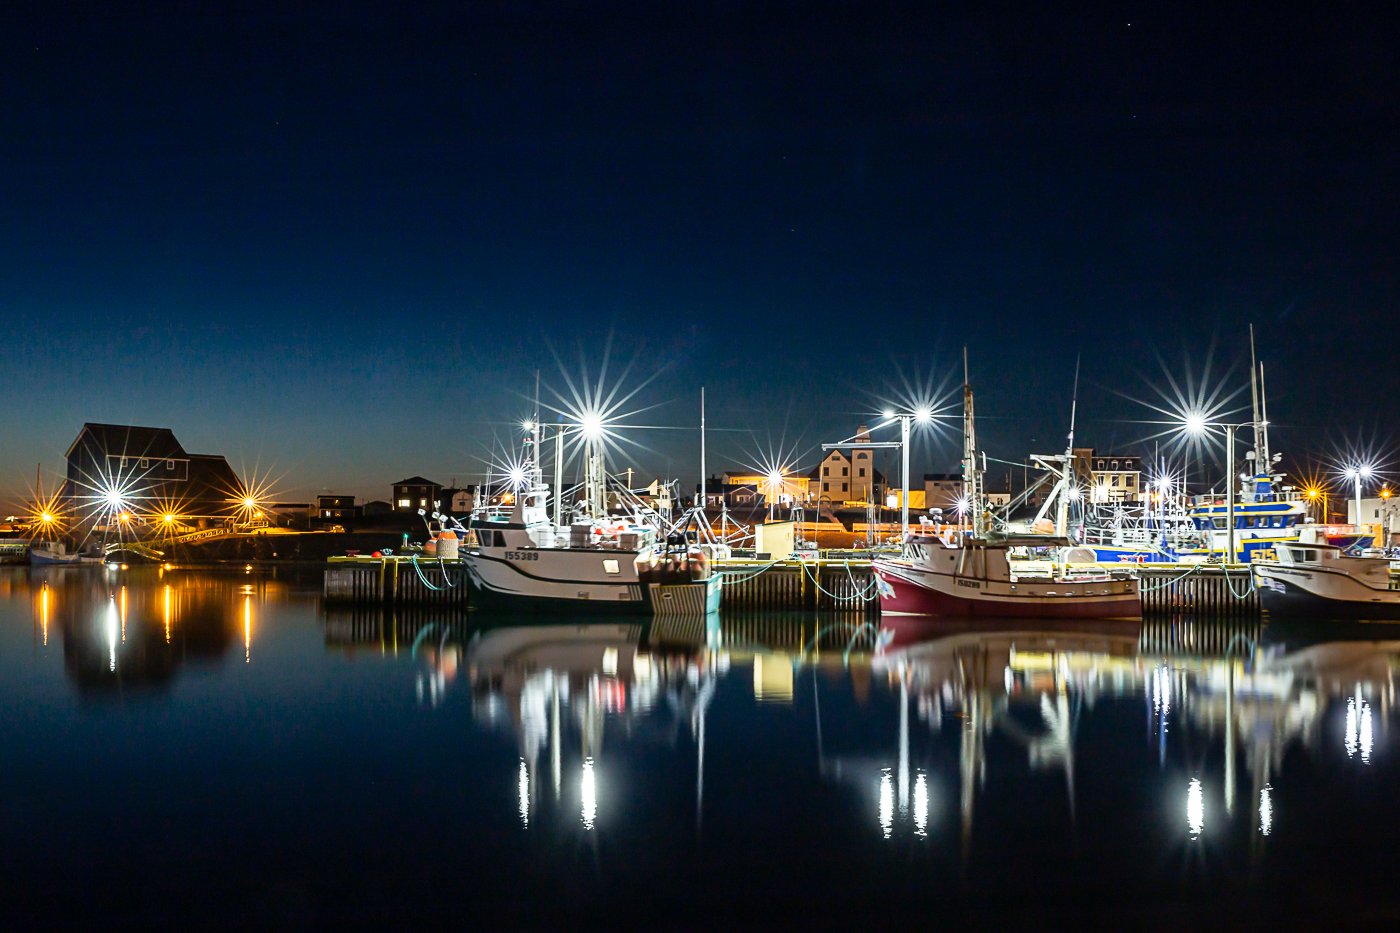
(1356, 474)
(1195, 424)
(923, 415)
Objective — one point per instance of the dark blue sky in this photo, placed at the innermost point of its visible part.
(337, 240)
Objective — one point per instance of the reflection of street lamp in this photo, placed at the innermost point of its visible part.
(1357, 474)
(1197, 424)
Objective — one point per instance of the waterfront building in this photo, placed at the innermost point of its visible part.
(415, 493)
(1109, 477)
(145, 470)
(334, 510)
(849, 474)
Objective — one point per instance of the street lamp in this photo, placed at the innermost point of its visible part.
(1197, 424)
(1356, 474)
(920, 415)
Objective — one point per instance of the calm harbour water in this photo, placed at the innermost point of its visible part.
(219, 749)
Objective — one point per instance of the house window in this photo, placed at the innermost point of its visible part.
(145, 464)
(422, 503)
(170, 464)
(1115, 464)
(123, 463)
(843, 487)
(325, 513)
(405, 503)
(843, 473)
(826, 471)
(862, 471)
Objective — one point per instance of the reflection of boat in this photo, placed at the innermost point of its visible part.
(1319, 580)
(974, 578)
(527, 563)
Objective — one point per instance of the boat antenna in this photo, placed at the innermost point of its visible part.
(1264, 410)
(1260, 443)
(535, 435)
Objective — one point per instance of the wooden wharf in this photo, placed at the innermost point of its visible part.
(836, 584)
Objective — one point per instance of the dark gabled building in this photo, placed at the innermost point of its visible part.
(415, 493)
(146, 470)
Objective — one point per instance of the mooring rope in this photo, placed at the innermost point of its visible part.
(1166, 583)
(414, 560)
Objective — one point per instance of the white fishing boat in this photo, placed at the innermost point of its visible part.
(973, 575)
(525, 561)
(54, 553)
(1323, 581)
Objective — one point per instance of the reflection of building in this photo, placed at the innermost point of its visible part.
(124, 638)
(146, 469)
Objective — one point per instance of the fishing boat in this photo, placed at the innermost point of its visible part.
(1266, 512)
(1323, 581)
(54, 553)
(973, 575)
(524, 561)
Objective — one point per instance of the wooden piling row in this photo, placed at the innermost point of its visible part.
(1214, 591)
(394, 581)
(824, 586)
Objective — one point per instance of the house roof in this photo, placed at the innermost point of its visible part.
(132, 440)
(417, 481)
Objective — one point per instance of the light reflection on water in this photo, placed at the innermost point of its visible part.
(750, 727)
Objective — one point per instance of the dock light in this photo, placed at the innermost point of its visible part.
(249, 502)
(516, 476)
(923, 414)
(1386, 493)
(125, 517)
(527, 426)
(591, 424)
(168, 518)
(46, 518)
(1195, 423)
(113, 498)
(887, 413)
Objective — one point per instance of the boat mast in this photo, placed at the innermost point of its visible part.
(1262, 464)
(1067, 467)
(972, 476)
(700, 506)
(537, 460)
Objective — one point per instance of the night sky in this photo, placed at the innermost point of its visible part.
(336, 241)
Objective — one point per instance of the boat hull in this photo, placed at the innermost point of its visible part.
(1287, 592)
(908, 590)
(570, 586)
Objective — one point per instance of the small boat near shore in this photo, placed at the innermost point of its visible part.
(55, 554)
(1323, 581)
